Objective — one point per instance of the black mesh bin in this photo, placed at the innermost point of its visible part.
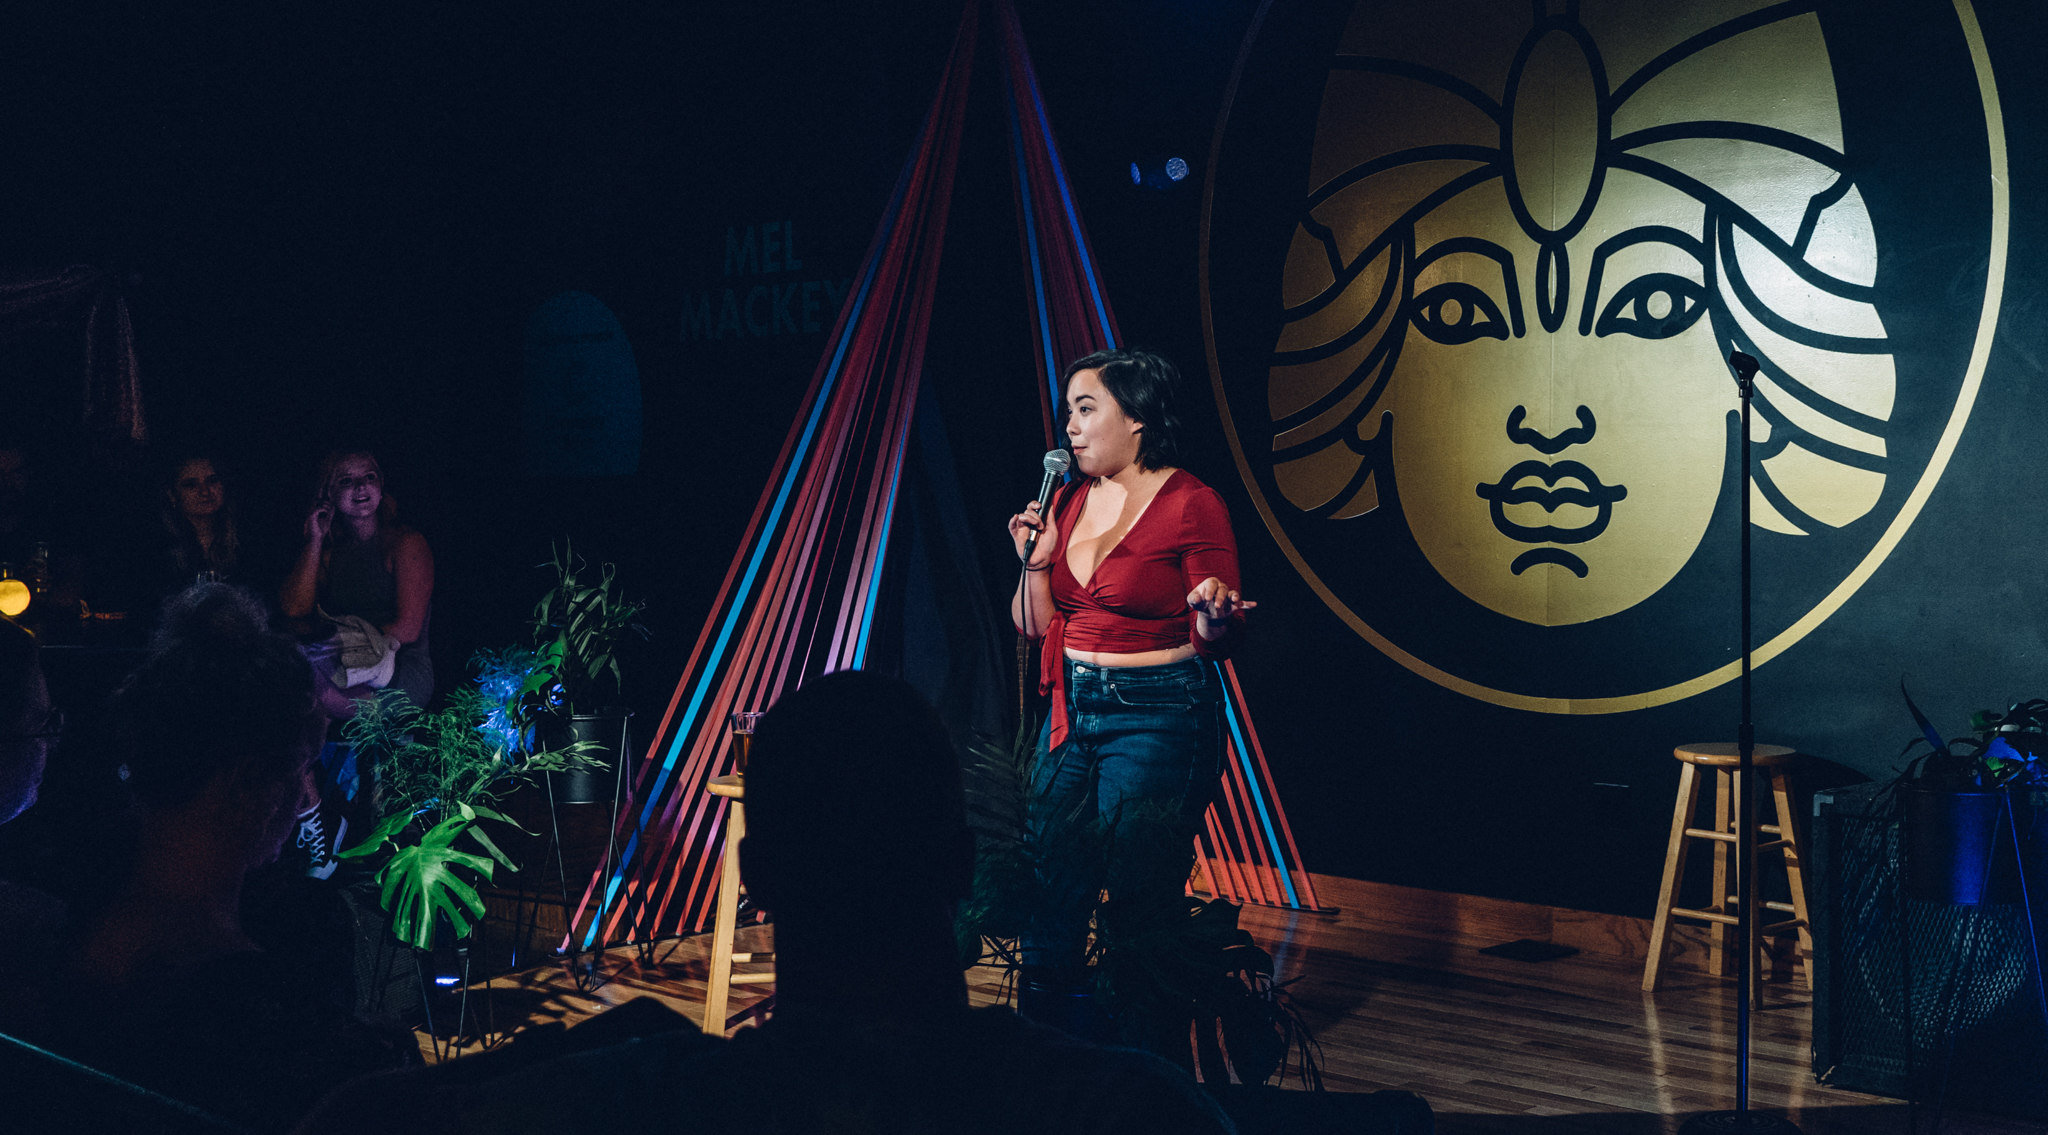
(1920, 999)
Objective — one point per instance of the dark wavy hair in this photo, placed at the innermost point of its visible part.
(218, 691)
(1147, 388)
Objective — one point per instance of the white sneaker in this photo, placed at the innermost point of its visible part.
(313, 837)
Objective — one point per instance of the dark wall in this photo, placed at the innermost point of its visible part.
(339, 223)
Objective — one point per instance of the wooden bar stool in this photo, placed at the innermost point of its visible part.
(1722, 757)
(722, 956)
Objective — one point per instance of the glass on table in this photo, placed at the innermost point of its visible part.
(744, 722)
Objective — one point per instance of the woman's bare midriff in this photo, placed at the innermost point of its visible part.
(1180, 653)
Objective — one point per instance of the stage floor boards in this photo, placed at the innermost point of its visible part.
(1495, 1046)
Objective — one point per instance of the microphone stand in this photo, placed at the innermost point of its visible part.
(1741, 1120)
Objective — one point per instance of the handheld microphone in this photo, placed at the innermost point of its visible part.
(1056, 465)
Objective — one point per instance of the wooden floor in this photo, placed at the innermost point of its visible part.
(1405, 1001)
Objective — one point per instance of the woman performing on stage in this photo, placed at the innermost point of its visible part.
(1133, 586)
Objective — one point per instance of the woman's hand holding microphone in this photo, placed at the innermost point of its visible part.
(1027, 524)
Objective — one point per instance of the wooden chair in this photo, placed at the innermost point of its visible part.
(1722, 757)
(722, 955)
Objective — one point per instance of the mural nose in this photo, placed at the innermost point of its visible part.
(1549, 443)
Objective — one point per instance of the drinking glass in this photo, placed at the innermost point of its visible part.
(744, 722)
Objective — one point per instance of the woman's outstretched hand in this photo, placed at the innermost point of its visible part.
(1214, 603)
(1027, 522)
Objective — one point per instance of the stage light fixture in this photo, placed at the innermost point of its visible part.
(14, 597)
(1159, 172)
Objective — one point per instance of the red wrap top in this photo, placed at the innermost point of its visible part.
(1137, 598)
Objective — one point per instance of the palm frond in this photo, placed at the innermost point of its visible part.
(584, 622)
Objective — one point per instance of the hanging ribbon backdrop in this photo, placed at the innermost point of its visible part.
(800, 596)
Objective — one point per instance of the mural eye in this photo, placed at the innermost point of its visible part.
(1455, 312)
(1656, 306)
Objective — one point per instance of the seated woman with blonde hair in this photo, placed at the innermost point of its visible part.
(359, 560)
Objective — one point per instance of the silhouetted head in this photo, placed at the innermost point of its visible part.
(852, 783)
(25, 721)
(219, 696)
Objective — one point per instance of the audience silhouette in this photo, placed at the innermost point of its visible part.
(209, 742)
(858, 843)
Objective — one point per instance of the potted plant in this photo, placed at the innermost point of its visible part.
(578, 626)
(1956, 798)
(1153, 962)
(442, 770)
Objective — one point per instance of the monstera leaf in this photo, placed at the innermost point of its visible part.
(426, 882)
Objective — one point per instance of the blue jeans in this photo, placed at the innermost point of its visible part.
(1146, 744)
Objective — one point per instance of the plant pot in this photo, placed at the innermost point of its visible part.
(1064, 998)
(1958, 848)
(386, 986)
(607, 731)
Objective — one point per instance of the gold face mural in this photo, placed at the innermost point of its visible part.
(1493, 411)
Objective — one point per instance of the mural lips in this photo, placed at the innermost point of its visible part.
(1510, 490)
